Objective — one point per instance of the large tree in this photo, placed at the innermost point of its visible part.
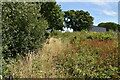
(78, 20)
(110, 26)
(53, 14)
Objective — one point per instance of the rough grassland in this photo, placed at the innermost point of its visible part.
(69, 55)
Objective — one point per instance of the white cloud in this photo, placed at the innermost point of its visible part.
(98, 2)
(110, 13)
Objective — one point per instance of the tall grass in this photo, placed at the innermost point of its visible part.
(71, 55)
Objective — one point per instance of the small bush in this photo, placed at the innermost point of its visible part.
(107, 36)
(100, 36)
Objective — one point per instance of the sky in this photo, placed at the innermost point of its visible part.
(101, 11)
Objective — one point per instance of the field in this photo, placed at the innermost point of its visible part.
(71, 55)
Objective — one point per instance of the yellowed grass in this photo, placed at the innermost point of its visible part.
(42, 64)
(51, 50)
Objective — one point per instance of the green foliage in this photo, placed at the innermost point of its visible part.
(5, 70)
(83, 65)
(53, 14)
(23, 28)
(56, 32)
(84, 34)
(118, 27)
(78, 19)
(100, 36)
(71, 56)
(110, 26)
(107, 36)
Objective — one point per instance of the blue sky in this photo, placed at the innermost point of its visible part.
(101, 11)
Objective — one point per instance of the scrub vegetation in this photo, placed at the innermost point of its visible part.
(29, 50)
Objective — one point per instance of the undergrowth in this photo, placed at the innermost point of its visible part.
(70, 55)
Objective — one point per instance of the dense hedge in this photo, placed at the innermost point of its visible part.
(23, 28)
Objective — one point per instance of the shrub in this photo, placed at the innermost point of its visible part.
(100, 36)
(107, 36)
(23, 28)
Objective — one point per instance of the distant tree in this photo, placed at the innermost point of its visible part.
(53, 14)
(119, 27)
(78, 20)
(109, 26)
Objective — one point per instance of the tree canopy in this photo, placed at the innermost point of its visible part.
(109, 26)
(53, 14)
(78, 20)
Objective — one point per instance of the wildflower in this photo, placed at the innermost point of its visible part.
(94, 32)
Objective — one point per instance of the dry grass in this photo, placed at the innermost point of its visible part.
(43, 64)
